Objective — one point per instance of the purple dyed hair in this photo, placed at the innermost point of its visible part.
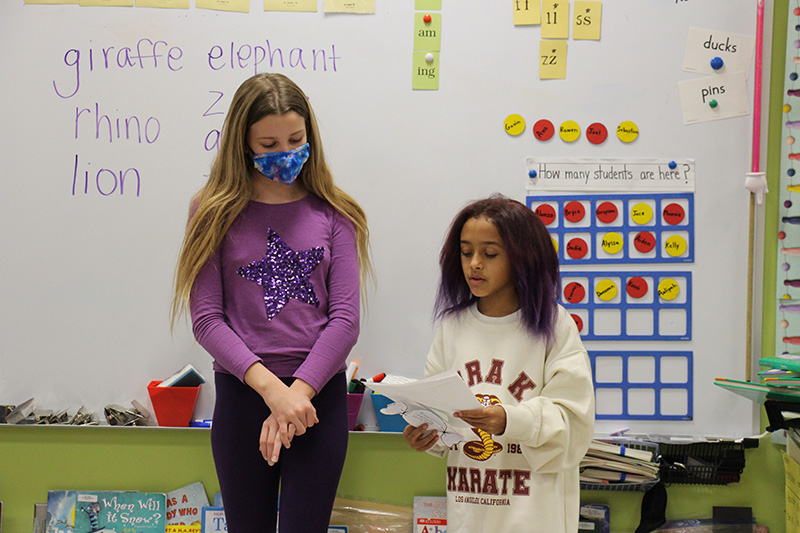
(533, 258)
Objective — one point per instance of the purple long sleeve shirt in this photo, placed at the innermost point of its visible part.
(282, 290)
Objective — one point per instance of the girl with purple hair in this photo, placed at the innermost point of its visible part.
(520, 352)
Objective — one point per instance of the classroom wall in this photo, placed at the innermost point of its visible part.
(379, 467)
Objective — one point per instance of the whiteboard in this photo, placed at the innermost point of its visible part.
(92, 210)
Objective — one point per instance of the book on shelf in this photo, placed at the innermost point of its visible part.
(185, 505)
(430, 514)
(69, 511)
(641, 468)
(595, 517)
(758, 392)
(783, 362)
(188, 376)
(620, 449)
(599, 475)
(214, 520)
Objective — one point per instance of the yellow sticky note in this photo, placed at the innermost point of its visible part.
(552, 60)
(425, 75)
(555, 19)
(427, 35)
(350, 6)
(174, 4)
(113, 3)
(527, 12)
(435, 5)
(306, 6)
(52, 2)
(586, 17)
(239, 6)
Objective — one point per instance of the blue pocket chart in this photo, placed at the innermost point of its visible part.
(619, 228)
(642, 385)
(645, 306)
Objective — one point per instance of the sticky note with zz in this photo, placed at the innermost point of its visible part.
(552, 60)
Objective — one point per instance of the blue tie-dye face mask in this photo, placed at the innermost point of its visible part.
(283, 167)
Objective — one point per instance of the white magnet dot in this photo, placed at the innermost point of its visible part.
(429, 57)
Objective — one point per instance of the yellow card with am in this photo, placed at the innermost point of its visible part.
(552, 60)
(527, 12)
(305, 6)
(555, 19)
(586, 18)
(428, 35)
(426, 73)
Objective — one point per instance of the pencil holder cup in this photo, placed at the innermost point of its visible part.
(353, 406)
(173, 406)
(387, 423)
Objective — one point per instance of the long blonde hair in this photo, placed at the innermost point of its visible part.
(230, 186)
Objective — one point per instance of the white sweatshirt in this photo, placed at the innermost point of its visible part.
(527, 478)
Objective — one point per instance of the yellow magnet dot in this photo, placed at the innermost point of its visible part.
(668, 289)
(605, 289)
(642, 213)
(627, 131)
(675, 246)
(787, 108)
(786, 297)
(569, 131)
(612, 242)
(514, 124)
(555, 243)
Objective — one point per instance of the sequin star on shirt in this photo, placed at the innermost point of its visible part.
(284, 274)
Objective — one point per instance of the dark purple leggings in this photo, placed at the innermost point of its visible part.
(308, 472)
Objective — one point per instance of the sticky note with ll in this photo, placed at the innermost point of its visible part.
(586, 18)
(552, 60)
(426, 73)
(555, 19)
(434, 5)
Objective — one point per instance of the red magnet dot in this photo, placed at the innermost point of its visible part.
(574, 292)
(578, 322)
(644, 242)
(596, 133)
(797, 12)
(546, 213)
(781, 235)
(606, 212)
(543, 129)
(636, 287)
(427, 19)
(673, 214)
(574, 211)
(577, 248)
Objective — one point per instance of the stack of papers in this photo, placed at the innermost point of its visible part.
(614, 463)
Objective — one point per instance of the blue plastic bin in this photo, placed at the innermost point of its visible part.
(387, 423)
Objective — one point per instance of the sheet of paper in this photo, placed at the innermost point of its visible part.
(306, 6)
(173, 4)
(425, 75)
(428, 35)
(433, 5)
(444, 394)
(555, 19)
(52, 2)
(734, 49)
(552, 60)
(792, 469)
(239, 6)
(527, 12)
(360, 7)
(586, 19)
(714, 98)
